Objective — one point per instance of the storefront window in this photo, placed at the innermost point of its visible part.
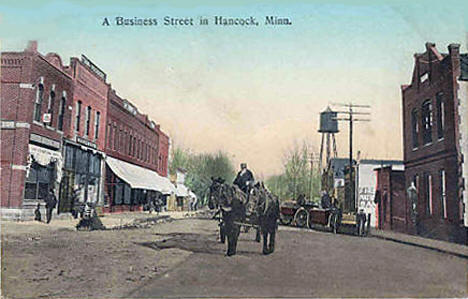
(86, 168)
(38, 182)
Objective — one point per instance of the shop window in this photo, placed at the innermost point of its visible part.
(69, 157)
(118, 194)
(415, 128)
(427, 121)
(61, 113)
(78, 116)
(127, 194)
(440, 115)
(38, 102)
(39, 181)
(443, 195)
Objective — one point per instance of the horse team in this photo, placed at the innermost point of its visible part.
(254, 206)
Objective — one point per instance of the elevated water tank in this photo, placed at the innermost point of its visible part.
(328, 122)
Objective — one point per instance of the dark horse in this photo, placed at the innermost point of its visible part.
(230, 202)
(267, 212)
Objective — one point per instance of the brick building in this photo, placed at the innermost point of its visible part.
(392, 208)
(84, 136)
(35, 93)
(134, 145)
(432, 149)
(55, 133)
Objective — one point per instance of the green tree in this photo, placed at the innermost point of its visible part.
(200, 168)
(296, 178)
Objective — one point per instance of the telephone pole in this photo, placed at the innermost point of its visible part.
(312, 159)
(350, 117)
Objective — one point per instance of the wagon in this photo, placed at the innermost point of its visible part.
(311, 215)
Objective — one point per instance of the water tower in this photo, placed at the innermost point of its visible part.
(328, 128)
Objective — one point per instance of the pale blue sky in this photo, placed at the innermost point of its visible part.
(259, 89)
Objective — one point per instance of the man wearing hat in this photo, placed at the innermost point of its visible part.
(244, 178)
(51, 203)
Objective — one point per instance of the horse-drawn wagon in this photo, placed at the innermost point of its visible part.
(258, 209)
(311, 215)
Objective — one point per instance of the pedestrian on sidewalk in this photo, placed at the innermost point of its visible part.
(51, 203)
(37, 213)
(77, 207)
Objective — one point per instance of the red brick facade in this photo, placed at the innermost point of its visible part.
(28, 78)
(131, 136)
(40, 98)
(431, 148)
(393, 208)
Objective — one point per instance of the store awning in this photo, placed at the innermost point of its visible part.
(140, 178)
(182, 190)
(44, 157)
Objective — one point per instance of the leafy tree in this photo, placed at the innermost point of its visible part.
(296, 178)
(200, 168)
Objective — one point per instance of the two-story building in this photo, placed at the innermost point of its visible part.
(433, 152)
(136, 159)
(36, 93)
(62, 127)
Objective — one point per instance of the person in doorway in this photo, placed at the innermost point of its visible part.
(51, 203)
(244, 178)
(37, 213)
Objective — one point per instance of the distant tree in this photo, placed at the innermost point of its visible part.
(200, 168)
(295, 178)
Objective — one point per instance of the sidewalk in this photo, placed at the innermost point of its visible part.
(110, 221)
(441, 246)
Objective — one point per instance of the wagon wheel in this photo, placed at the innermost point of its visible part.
(333, 222)
(301, 218)
(286, 219)
(310, 221)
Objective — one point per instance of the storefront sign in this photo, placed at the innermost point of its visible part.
(44, 141)
(86, 142)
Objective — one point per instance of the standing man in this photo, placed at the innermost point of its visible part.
(51, 203)
(244, 178)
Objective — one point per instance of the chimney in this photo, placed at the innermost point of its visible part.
(454, 50)
(32, 46)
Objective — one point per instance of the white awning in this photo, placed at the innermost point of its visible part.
(182, 190)
(140, 178)
(44, 157)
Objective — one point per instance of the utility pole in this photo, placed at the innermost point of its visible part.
(351, 119)
(312, 159)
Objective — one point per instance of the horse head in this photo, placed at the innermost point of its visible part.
(215, 192)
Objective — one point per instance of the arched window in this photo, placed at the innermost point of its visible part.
(78, 116)
(427, 121)
(38, 102)
(50, 107)
(415, 128)
(61, 112)
(440, 115)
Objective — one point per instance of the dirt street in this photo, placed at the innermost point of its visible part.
(56, 260)
(182, 258)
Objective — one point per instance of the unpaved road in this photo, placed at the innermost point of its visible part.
(183, 259)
